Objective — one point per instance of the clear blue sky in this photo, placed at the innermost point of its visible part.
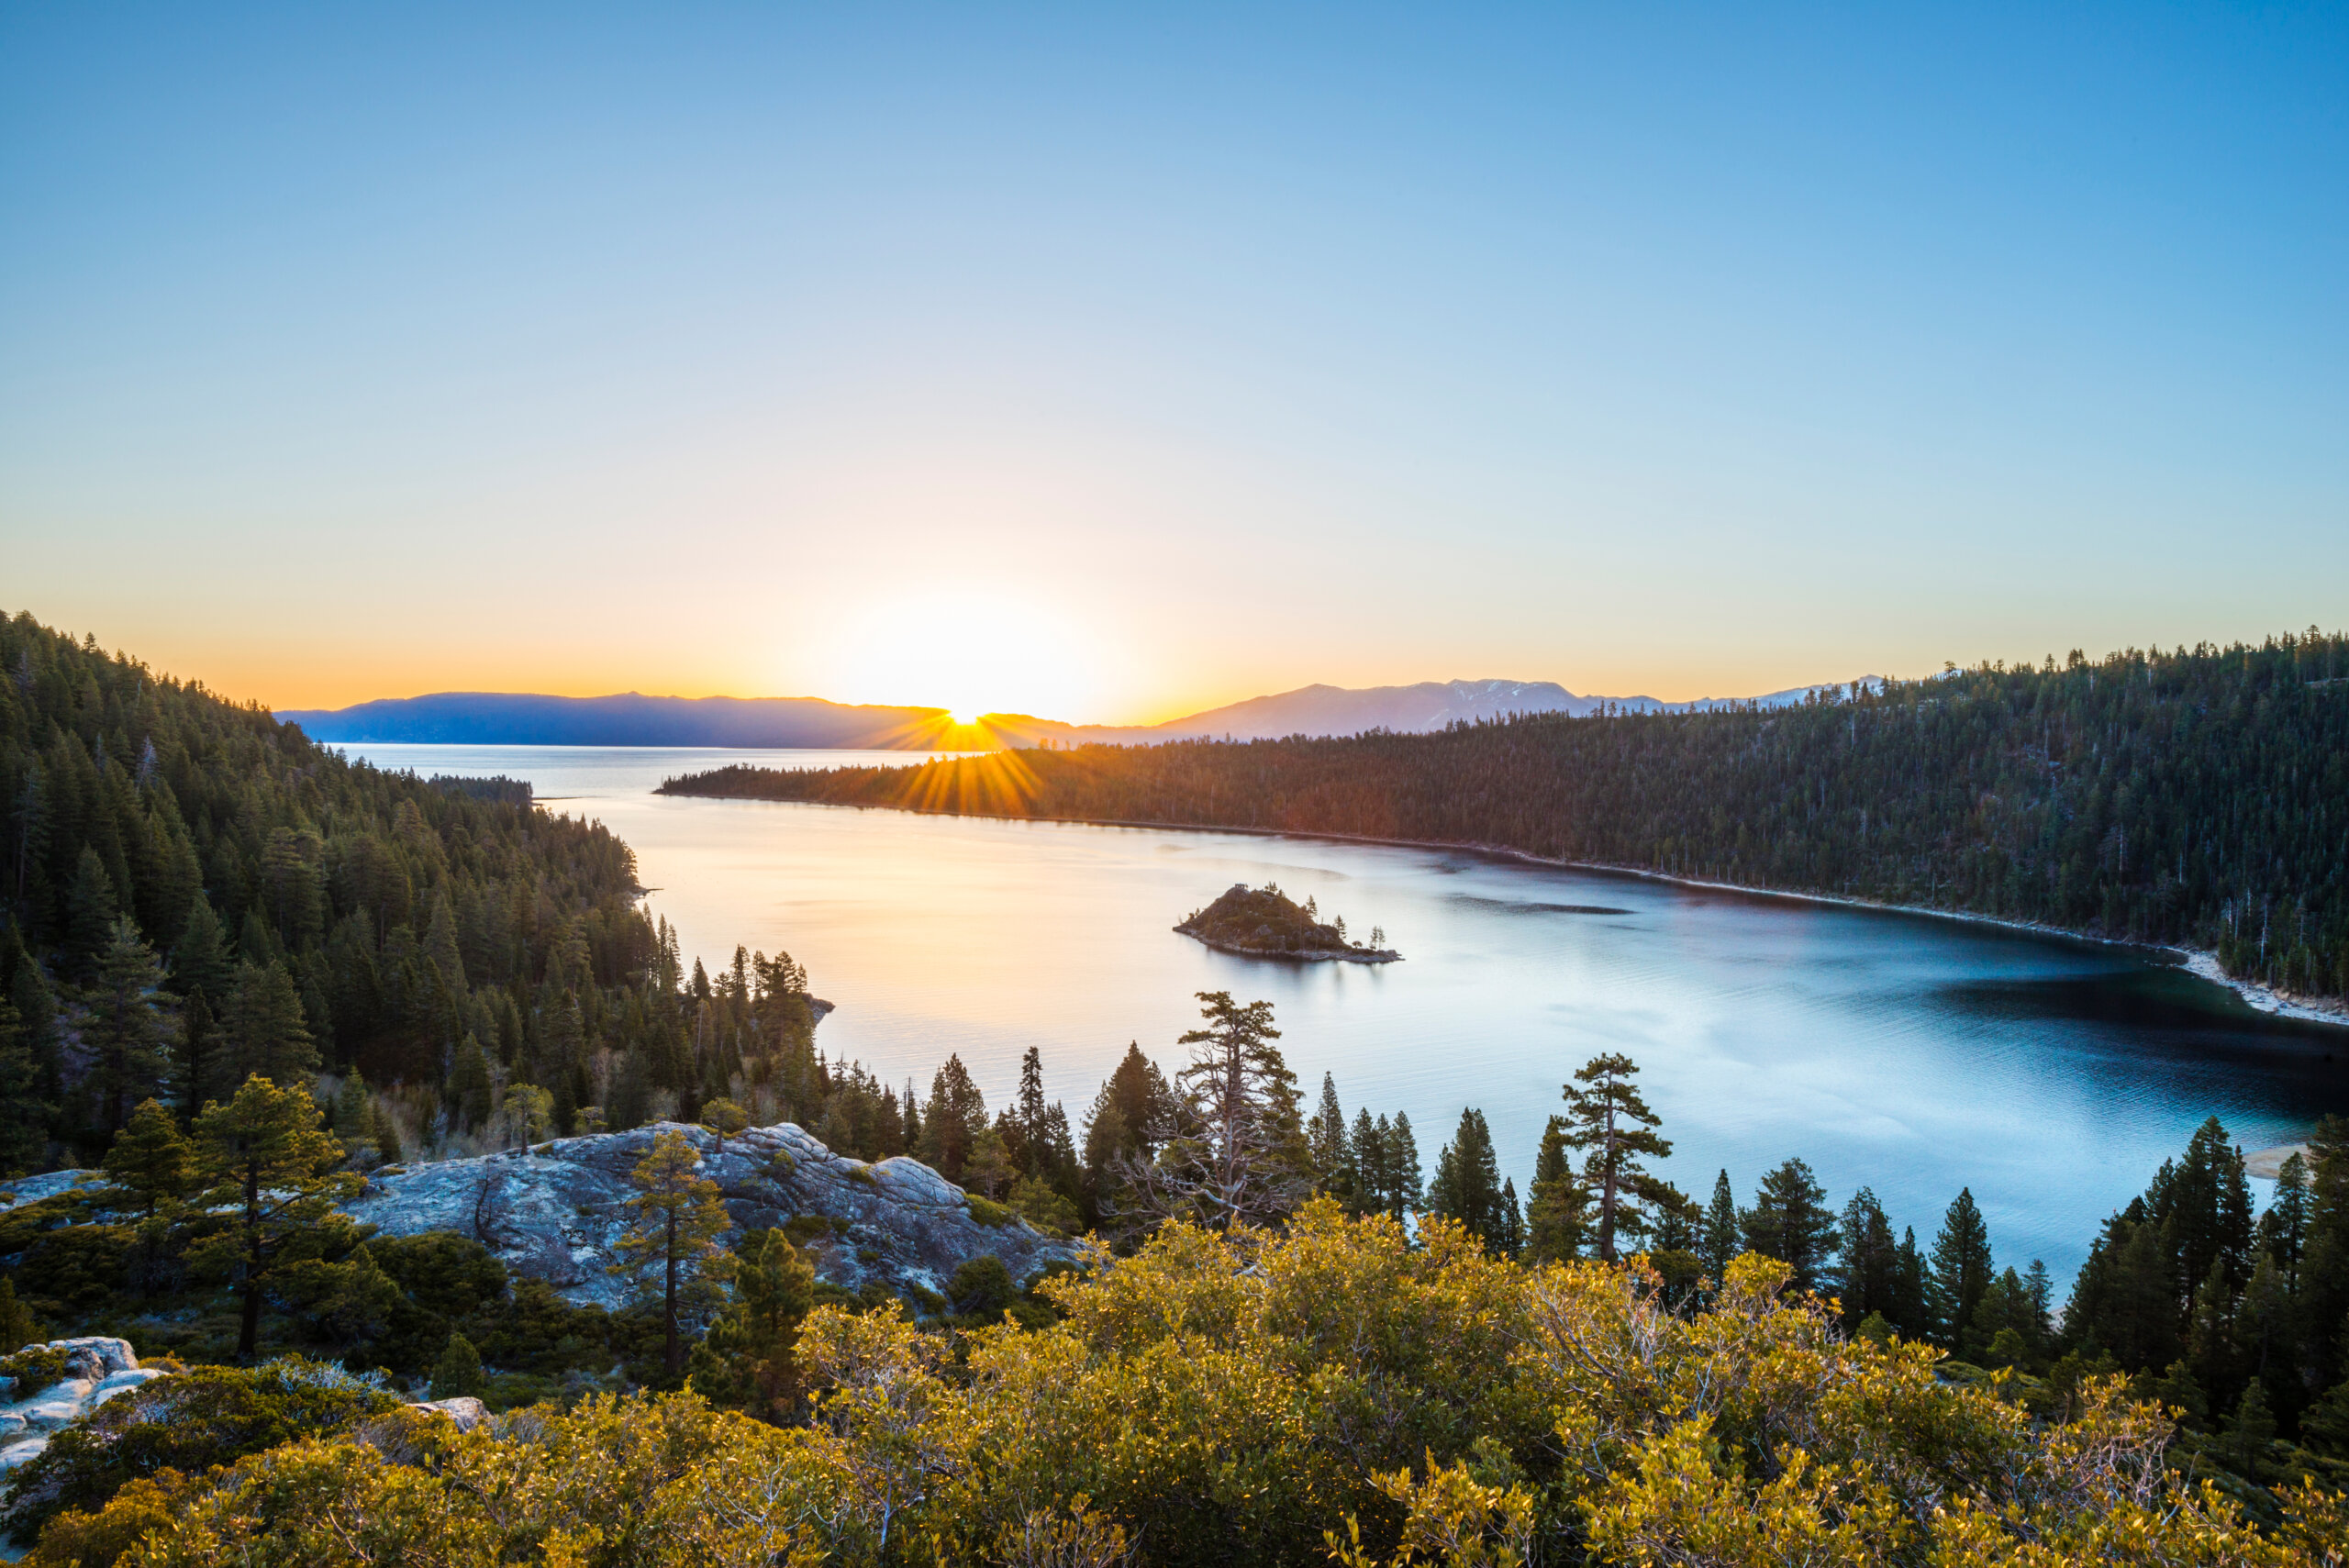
(1116, 360)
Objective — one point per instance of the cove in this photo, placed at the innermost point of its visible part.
(1910, 1054)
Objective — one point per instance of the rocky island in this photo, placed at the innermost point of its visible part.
(1264, 922)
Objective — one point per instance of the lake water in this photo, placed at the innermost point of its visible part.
(1912, 1054)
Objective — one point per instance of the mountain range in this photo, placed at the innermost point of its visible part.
(631, 719)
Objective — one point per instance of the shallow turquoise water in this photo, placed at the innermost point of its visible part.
(1912, 1054)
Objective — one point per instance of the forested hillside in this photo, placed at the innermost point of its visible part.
(192, 892)
(2200, 797)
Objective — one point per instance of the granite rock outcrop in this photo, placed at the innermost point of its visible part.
(557, 1211)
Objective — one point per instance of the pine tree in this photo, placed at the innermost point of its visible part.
(989, 1170)
(23, 1115)
(1467, 1185)
(268, 1169)
(199, 1055)
(440, 947)
(91, 910)
(353, 1118)
(1789, 1221)
(671, 1246)
(17, 1328)
(1404, 1197)
(1557, 1217)
(266, 1033)
(747, 1359)
(127, 1031)
(1867, 1261)
(725, 1119)
(457, 1373)
(1029, 1114)
(1326, 1136)
(470, 1086)
(1240, 1155)
(2283, 1228)
(151, 1163)
(201, 964)
(1368, 1147)
(1961, 1270)
(1912, 1313)
(2247, 1434)
(951, 1122)
(2203, 1203)
(1722, 1240)
(1606, 1118)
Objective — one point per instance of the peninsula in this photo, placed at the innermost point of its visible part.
(1264, 922)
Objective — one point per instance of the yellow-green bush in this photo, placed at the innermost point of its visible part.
(1331, 1393)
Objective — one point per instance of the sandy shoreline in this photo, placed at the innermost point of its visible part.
(2199, 962)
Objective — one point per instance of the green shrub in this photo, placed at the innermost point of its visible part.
(982, 1288)
(74, 1272)
(986, 1211)
(458, 1372)
(448, 1275)
(537, 1331)
(803, 1228)
(1036, 1202)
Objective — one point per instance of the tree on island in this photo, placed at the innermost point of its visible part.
(670, 1250)
(1608, 1119)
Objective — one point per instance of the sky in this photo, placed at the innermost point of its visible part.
(1111, 363)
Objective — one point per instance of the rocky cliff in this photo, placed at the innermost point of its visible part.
(556, 1212)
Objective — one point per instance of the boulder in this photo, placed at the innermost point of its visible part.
(464, 1409)
(96, 1369)
(557, 1211)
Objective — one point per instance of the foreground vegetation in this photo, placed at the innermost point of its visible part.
(1330, 1393)
(1281, 1367)
(2198, 797)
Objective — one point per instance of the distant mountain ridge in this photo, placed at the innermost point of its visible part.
(1340, 710)
(631, 719)
(628, 718)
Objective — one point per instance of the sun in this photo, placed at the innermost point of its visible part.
(970, 650)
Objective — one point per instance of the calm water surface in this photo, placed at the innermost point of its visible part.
(1910, 1054)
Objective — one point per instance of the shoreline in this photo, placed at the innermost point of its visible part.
(2199, 962)
(1377, 955)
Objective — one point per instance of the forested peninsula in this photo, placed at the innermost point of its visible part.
(194, 893)
(2197, 797)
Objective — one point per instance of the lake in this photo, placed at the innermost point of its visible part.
(1912, 1054)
